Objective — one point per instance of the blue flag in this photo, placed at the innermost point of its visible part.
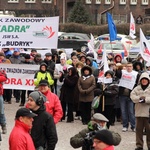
(112, 28)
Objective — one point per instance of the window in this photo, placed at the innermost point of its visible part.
(88, 1)
(46, 1)
(144, 2)
(13, 1)
(98, 2)
(133, 2)
(122, 2)
(30, 1)
(107, 1)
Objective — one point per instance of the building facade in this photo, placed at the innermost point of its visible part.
(120, 9)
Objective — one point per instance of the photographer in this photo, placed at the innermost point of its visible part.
(84, 138)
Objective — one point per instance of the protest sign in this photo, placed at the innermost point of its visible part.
(19, 76)
(29, 32)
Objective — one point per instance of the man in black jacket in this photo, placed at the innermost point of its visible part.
(43, 132)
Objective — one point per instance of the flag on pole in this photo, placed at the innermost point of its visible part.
(91, 47)
(144, 47)
(112, 28)
(104, 67)
(132, 26)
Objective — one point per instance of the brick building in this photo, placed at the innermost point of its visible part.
(120, 9)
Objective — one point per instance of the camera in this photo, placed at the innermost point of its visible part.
(88, 140)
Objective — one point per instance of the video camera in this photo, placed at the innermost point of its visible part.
(89, 137)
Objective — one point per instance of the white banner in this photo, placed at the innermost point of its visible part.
(19, 76)
(29, 32)
(128, 79)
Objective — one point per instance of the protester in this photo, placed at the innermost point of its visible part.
(68, 93)
(128, 80)
(43, 74)
(108, 96)
(20, 138)
(33, 53)
(7, 92)
(141, 97)
(16, 58)
(53, 105)
(43, 132)
(86, 85)
(84, 137)
(3, 78)
(26, 61)
(38, 59)
(59, 69)
(103, 140)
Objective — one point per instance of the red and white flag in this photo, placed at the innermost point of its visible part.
(104, 67)
(144, 47)
(91, 46)
(132, 27)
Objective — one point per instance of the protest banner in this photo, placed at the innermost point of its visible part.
(19, 76)
(29, 32)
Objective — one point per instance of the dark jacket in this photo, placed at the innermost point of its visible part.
(68, 87)
(16, 59)
(81, 139)
(43, 131)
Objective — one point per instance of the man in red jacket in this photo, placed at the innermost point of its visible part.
(53, 105)
(20, 138)
(3, 78)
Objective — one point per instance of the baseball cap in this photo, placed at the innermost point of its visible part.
(24, 112)
(44, 83)
(16, 50)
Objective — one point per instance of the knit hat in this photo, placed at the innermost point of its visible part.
(109, 72)
(104, 136)
(38, 55)
(100, 117)
(38, 96)
(48, 54)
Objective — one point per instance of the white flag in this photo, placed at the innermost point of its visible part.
(132, 26)
(104, 67)
(144, 47)
(91, 47)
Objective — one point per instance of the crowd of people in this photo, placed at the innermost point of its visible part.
(67, 86)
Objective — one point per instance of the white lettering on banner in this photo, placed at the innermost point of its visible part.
(20, 76)
(128, 79)
(29, 32)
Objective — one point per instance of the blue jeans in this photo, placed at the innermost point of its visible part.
(127, 111)
(2, 115)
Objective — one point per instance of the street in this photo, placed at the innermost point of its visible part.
(67, 130)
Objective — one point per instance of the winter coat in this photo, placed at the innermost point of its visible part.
(3, 78)
(68, 87)
(141, 109)
(109, 148)
(110, 93)
(16, 59)
(20, 138)
(53, 106)
(5, 61)
(43, 131)
(86, 86)
(78, 140)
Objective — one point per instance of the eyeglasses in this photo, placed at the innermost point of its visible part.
(96, 141)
